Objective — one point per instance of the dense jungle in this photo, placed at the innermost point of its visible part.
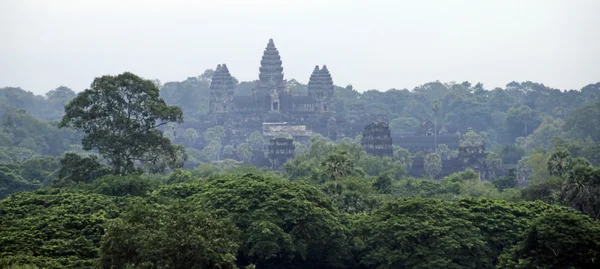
(118, 176)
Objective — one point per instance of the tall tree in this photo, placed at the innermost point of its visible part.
(119, 116)
(433, 164)
(435, 107)
(190, 136)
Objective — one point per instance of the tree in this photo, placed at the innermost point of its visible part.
(444, 151)
(433, 164)
(175, 236)
(585, 121)
(520, 122)
(244, 151)
(213, 150)
(419, 233)
(338, 165)
(283, 224)
(493, 162)
(404, 157)
(560, 239)
(62, 228)
(404, 124)
(301, 149)
(75, 168)
(190, 136)
(383, 183)
(119, 116)
(559, 162)
(435, 107)
(507, 181)
(256, 141)
(216, 133)
(582, 189)
(228, 152)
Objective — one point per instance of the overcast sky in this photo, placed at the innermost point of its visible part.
(369, 44)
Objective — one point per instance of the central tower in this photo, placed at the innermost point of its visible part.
(270, 82)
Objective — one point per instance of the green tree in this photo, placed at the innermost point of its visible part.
(404, 157)
(585, 121)
(433, 164)
(172, 236)
(507, 181)
(493, 162)
(75, 168)
(301, 149)
(444, 152)
(435, 107)
(62, 228)
(119, 116)
(559, 162)
(256, 141)
(582, 189)
(420, 233)
(216, 133)
(228, 152)
(383, 183)
(520, 122)
(244, 151)
(283, 224)
(190, 136)
(338, 165)
(561, 239)
(213, 150)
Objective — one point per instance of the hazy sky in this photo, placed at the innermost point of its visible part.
(370, 44)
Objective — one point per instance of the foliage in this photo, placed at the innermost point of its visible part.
(433, 164)
(119, 116)
(22, 136)
(172, 236)
(54, 228)
(29, 175)
(584, 121)
(420, 233)
(75, 168)
(561, 239)
(112, 185)
(283, 224)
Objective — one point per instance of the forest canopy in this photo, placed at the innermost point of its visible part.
(113, 177)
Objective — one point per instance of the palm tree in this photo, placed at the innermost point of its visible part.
(559, 162)
(577, 190)
(338, 165)
(435, 107)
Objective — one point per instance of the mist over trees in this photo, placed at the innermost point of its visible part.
(120, 176)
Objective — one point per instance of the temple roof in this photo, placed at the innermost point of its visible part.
(320, 83)
(271, 70)
(222, 81)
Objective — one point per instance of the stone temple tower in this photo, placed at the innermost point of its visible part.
(270, 78)
(221, 90)
(321, 89)
(377, 140)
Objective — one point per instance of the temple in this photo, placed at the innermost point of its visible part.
(377, 140)
(271, 101)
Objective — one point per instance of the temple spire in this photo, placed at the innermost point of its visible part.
(271, 71)
(326, 82)
(313, 83)
(221, 90)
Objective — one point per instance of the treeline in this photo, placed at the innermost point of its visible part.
(264, 221)
(121, 199)
(529, 114)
